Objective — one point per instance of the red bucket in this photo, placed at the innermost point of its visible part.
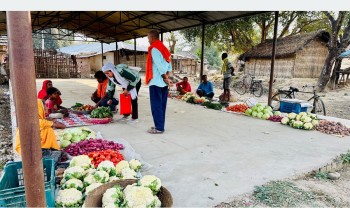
(125, 104)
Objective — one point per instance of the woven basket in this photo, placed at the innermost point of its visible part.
(94, 199)
(101, 120)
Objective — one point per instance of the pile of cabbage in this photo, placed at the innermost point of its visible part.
(141, 194)
(80, 178)
(75, 135)
(261, 111)
(303, 120)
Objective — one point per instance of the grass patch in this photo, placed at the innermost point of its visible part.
(345, 158)
(321, 176)
(282, 194)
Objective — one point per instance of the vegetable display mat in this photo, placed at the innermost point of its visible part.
(76, 120)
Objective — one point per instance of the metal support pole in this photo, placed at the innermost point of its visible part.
(273, 58)
(135, 51)
(202, 54)
(116, 53)
(102, 54)
(19, 31)
(161, 36)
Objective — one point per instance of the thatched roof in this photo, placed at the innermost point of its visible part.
(286, 46)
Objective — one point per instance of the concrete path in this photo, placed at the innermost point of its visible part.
(207, 156)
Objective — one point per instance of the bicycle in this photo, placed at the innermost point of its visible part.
(318, 105)
(249, 83)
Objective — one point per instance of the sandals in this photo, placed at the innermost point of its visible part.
(153, 130)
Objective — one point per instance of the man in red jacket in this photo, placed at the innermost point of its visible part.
(184, 86)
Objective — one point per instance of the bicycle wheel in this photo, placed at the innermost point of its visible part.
(275, 100)
(320, 107)
(257, 89)
(239, 87)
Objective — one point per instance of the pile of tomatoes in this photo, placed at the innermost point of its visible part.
(239, 108)
(112, 155)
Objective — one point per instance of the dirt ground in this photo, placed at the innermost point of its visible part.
(5, 126)
(305, 191)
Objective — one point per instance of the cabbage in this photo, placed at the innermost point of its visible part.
(308, 126)
(67, 136)
(76, 131)
(76, 139)
(306, 119)
(285, 121)
(268, 108)
(254, 114)
(298, 124)
(254, 108)
(248, 112)
(266, 116)
(64, 143)
(266, 111)
(259, 105)
(292, 115)
(315, 122)
(260, 114)
(260, 109)
(277, 113)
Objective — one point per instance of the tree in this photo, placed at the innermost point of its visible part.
(338, 41)
(51, 37)
(172, 42)
(211, 53)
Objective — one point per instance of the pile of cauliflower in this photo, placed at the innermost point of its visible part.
(303, 120)
(80, 178)
(143, 194)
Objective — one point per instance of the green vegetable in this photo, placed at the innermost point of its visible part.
(64, 143)
(77, 105)
(101, 112)
(215, 106)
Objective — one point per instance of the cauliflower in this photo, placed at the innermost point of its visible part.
(135, 165)
(312, 116)
(92, 187)
(113, 178)
(151, 182)
(89, 179)
(89, 171)
(306, 119)
(291, 122)
(73, 172)
(292, 115)
(73, 183)
(298, 118)
(101, 176)
(128, 173)
(107, 166)
(81, 161)
(139, 196)
(315, 122)
(120, 166)
(308, 126)
(303, 114)
(113, 196)
(298, 124)
(285, 121)
(69, 198)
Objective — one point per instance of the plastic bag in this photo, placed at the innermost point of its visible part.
(125, 104)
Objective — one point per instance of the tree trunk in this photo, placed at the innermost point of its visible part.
(334, 77)
(327, 69)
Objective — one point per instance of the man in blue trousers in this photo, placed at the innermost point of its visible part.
(158, 68)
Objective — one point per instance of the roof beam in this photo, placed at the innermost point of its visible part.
(49, 22)
(97, 19)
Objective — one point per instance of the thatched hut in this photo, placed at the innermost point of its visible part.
(297, 56)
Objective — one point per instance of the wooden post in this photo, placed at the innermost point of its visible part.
(202, 55)
(102, 54)
(19, 31)
(135, 51)
(161, 36)
(273, 58)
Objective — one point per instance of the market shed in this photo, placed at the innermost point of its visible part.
(90, 57)
(185, 62)
(297, 56)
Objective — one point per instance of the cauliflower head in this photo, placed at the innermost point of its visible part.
(113, 196)
(292, 115)
(151, 182)
(92, 187)
(139, 196)
(108, 167)
(89, 179)
(135, 165)
(128, 173)
(73, 172)
(101, 176)
(69, 198)
(308, 126)
(120, 166)
(113, 178)
(81, 161)
(73, 183)
(285, 121)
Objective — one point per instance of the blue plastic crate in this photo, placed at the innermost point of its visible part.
(291, 107)
(12, 193)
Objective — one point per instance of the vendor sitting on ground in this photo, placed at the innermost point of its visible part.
(104, 94)
(47, 135)
(51, 102)
(184, 86)
(43, 94)
(205, 88)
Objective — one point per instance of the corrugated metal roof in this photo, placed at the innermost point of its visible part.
(111, 26)
(88, 50)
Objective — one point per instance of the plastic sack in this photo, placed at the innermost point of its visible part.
(125, 104)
